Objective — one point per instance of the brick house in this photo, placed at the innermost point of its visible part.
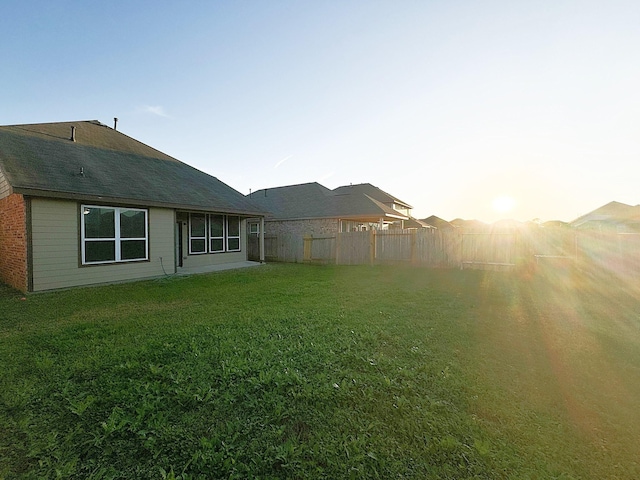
(13, 239)
(311, 208)
(81, 204)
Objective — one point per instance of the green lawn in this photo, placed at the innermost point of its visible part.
(294, 371)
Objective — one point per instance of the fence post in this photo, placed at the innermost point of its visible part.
(337, 248)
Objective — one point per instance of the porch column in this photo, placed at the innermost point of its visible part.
(261, 235)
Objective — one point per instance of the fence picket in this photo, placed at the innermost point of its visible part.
(459, 249)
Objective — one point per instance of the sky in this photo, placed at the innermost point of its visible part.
(463, 109)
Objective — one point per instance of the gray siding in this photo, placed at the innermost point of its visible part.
(56, 255)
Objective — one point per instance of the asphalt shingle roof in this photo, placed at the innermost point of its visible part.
(611, 213)
(437, 222)
(104, 164)
(372, 191)
(312, 200)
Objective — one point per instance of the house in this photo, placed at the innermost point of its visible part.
(414, 224)
(613, 217)
(380, 196)
(438, 223)
(82, 203)
(312, 209)
(470, 225)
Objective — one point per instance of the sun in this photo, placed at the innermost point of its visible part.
(503, 204)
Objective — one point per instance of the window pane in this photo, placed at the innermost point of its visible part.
(217, 245)
(234, 226)
(132, 224)
(198, 228)
(133, 250)
(234, 244)
(102, 251)
(99, 222)
(216, 225)
(198, 245)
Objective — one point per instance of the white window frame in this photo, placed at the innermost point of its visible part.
(205, 238)
(225, 237)
(234, 237)
(117, 239)
(224, 232)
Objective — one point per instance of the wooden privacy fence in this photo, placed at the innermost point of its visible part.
(427, 248)
(491, 250)
(283, 248)
(532, 247)
(280, 248)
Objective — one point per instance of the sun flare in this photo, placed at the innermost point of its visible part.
(503, 204)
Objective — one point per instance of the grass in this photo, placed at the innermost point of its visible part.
(292, 371)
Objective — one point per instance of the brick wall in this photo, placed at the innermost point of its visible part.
(13, 241)
(317, 226)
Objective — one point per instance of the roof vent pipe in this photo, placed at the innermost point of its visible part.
(115, 123)
(73, 134)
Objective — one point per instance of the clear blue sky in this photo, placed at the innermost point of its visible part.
(444, 104)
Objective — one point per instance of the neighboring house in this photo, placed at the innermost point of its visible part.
(470, 225)
(81, 204)
(414, 224)
(388, 200)
(554, 224)
(379, 195)
(612, 217)
(438, 223)
(310, 209)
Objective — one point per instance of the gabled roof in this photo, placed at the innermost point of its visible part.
(373, 192)
(307, 200)
(612, 212)
(415, 223)
(438, 222)
(312, 200)
(470, 225)
(105, 165)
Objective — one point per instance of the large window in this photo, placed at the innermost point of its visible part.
(213, 233)
(197, 233)
(233, 234)
(216, 233)
(113, 234)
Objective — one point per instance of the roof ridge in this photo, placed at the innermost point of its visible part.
(95, 122)
(290, 186)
